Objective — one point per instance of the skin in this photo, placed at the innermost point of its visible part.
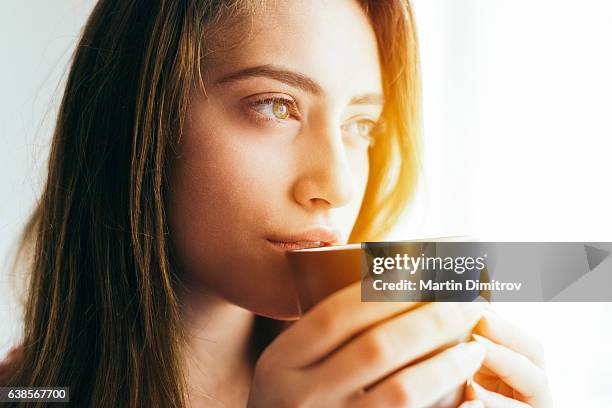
(240, 176)
(292, 174)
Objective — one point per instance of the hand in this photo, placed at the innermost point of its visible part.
(512, 374)
(347, 353)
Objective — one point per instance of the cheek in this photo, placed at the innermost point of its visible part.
(226, 176)
(360, 170)
(225, 189)
(344, 217)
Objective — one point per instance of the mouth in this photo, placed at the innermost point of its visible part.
(292, 245)
(313, 238)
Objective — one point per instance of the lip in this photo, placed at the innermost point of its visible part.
(312, 238)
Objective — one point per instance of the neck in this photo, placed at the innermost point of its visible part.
(218, 352)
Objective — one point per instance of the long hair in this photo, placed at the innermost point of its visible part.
(102, 302)
(395, 157)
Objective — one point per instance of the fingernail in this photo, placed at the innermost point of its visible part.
(483, 340)
(477, 388)
(474, 348)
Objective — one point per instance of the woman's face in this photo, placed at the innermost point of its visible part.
(276, 148)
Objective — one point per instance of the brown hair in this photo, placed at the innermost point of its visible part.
(102, 304)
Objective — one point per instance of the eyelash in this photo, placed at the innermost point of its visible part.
(294, 114)
(293, 109)
(376, 125)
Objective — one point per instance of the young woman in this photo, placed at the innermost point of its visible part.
(196, 142)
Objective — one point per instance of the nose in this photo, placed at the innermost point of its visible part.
(325, 178)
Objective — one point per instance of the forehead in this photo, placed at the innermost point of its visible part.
(330, 41)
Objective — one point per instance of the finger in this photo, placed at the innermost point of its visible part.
(329, 324)
(396, 343)
(491, 381)
(424, 383)
(517, 371)
(492, 399)
(472, 404)
(515, 338)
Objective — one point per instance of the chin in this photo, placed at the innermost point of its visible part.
(263, 286)
(273, 294)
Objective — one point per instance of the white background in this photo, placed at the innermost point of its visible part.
(517, 106)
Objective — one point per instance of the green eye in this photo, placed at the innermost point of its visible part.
(361, 128)
(275, 108)
(280, 110)
(364, 127)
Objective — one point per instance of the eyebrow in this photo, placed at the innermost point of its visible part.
(367, 99)
(295, 79)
